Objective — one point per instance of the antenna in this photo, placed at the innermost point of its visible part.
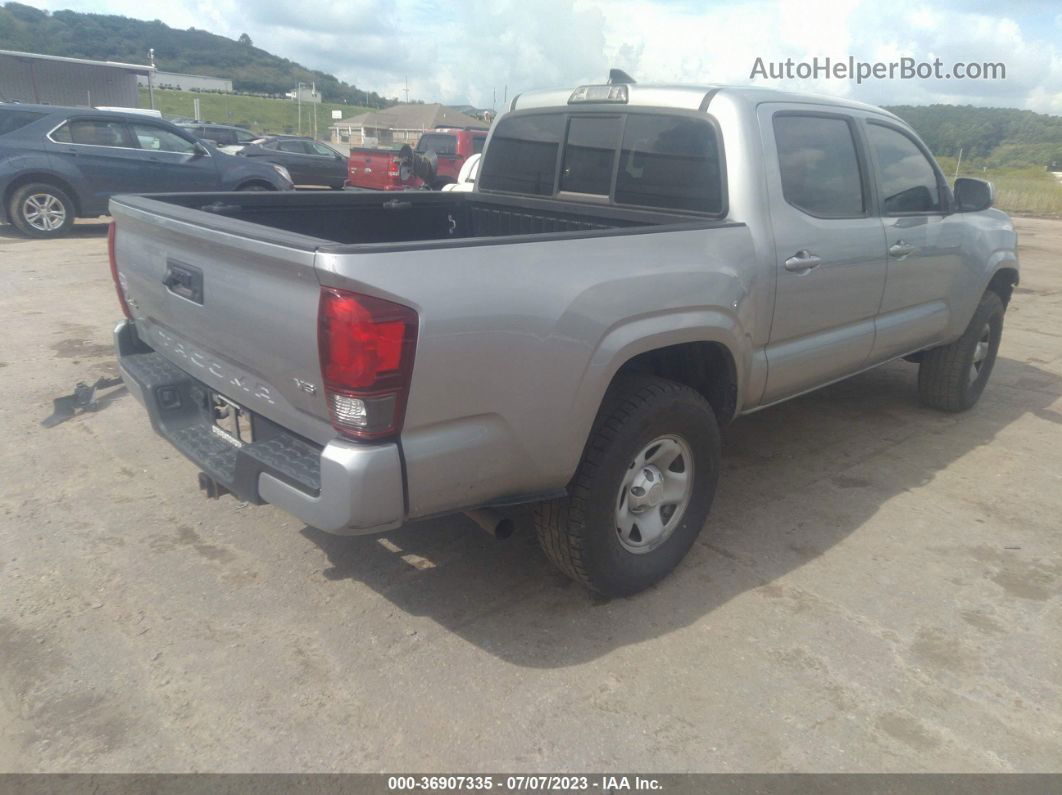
(618, 77)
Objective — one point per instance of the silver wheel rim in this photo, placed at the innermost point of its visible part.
(654, 494)
(44, 212)
(980, 355)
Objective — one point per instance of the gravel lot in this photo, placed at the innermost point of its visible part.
(878, 588)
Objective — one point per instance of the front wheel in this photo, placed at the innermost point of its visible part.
(41, 210)
(642, 491)
(952, 377)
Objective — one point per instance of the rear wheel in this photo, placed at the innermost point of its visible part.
(952, 377)
(255, 186)
(642, 491)
(41, 210)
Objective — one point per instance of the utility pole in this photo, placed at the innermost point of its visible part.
(298, 101)
(151, 77)
(407, 90)
(313, 101)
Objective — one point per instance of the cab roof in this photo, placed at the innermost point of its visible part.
(692, 97)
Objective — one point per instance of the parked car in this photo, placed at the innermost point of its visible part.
(392, 169)
(308, 161)
(225, 137)
(60, 163)
(466, 180)
(636, 267)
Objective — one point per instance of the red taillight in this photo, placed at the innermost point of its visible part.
(366, 347)
(395, 168)
(112, 256)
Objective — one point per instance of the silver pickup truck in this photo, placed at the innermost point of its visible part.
(637, 266)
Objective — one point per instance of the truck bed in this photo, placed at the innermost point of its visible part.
(326, 220)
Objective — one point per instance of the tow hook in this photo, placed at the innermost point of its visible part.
(211, 487)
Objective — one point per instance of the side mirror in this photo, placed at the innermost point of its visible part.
(973, 195)
(199, 149)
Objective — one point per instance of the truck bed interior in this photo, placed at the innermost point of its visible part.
(370, 217)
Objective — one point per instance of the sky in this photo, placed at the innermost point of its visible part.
(480, 51)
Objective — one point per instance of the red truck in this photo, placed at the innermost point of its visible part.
(393, 169)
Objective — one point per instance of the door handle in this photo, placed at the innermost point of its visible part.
(802, 261)
(900, 249)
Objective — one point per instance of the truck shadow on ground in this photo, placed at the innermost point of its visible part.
(796, 480)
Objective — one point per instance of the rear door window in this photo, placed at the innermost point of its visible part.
(590, 153)
(93, 132)
(294, 147)
(11, 120)
(819, 165)
(522, 156)
(671, 162)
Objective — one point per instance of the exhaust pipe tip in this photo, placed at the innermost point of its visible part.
(495, 523)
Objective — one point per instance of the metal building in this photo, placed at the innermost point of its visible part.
(55, 80)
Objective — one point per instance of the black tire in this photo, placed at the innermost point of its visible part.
(340, 186)
(54, 223)
(580, 533)
(255, 186)
(951, 378)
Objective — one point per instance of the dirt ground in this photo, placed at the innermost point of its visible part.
(879, 587)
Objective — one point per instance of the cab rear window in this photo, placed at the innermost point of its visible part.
(440, 144)
(11, 120)
(659, 160)
(672, 162)
(522, 156)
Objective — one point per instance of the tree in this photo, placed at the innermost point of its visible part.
(245, 40)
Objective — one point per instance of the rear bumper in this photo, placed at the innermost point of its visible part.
(344, 487)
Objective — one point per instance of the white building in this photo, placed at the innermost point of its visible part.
(183, 82)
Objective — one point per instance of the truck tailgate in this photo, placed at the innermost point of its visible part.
(237, 312)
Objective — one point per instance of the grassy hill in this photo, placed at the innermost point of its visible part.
(260, 114)
(1011, 148)
(114, 38)
(991, 137)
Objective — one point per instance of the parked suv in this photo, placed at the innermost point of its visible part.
(226, 137)
(60, 163)
(308, 161)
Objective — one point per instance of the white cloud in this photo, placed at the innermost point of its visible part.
(465, 51)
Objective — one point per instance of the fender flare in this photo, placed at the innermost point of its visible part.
(647, 333)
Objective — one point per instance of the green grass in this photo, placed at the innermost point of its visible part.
(1029, 190)
(260, 114)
